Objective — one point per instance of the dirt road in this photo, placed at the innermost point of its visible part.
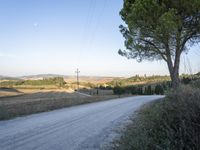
(81, 127)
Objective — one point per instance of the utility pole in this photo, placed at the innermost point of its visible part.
(77, 75)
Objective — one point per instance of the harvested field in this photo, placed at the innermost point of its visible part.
(4, 92)
(44, 101)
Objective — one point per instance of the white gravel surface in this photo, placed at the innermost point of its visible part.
(84, 127)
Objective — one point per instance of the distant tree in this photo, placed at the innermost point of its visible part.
(119, 90)
(109, 88)
(145, 91)
(149, 91)
(97, 91)
(59, 81)
(160, 30)
(159, 89)
(140, 90)
(102, 87)
(133, 90)
(186, 80)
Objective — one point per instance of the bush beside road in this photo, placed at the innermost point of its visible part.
(171, 123)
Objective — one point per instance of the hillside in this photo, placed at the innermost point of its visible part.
(88, 81)
(8, 78)
(139, 80)
(67, 78)
(91, 79)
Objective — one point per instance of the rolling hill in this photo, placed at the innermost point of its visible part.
(67, 78)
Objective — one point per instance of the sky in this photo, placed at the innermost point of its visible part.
(58, 36)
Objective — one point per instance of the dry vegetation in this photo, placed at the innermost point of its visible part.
(172, 123)
(4, 92)
(33, 101)
(22, 97)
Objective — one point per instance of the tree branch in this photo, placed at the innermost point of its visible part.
(157, 49)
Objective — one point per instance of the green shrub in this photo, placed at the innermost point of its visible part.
(59, 81)
(186, 80)
(159, 90)
(149, 90)
(140, 90)
(169, 124)
(196, 83)
(119, 90)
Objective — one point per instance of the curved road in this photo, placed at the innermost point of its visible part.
(80, 127)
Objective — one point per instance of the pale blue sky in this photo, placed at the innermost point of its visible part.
(57, 36)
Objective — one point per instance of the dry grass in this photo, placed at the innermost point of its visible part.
(4, 92)
(172, 123)
(34, 101)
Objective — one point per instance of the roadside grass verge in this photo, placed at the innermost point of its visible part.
(170, 123)
(11, 110)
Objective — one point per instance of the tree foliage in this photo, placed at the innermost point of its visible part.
(59, 81)
(160, 30)
(119, 90)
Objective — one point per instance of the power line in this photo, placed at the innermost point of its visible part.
(189, 65)
(96, 27)
(89, 18)
(184, 64)
(86, 24)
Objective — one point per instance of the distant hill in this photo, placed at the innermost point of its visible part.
(92, 79)
(8, 78)
(67, 78)
(135, 80)
(40, 76)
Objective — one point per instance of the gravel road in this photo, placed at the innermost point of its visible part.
(85, 127)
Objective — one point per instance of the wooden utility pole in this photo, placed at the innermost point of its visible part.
(77, 75)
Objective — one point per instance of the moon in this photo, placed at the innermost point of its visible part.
(35, 24)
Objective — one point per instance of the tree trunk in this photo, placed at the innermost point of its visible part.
(175, 81)
(174, 71)
(174, 75)
(173, 66)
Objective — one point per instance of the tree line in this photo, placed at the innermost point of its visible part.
(142, 89)
(151, 89)
(59, 81)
